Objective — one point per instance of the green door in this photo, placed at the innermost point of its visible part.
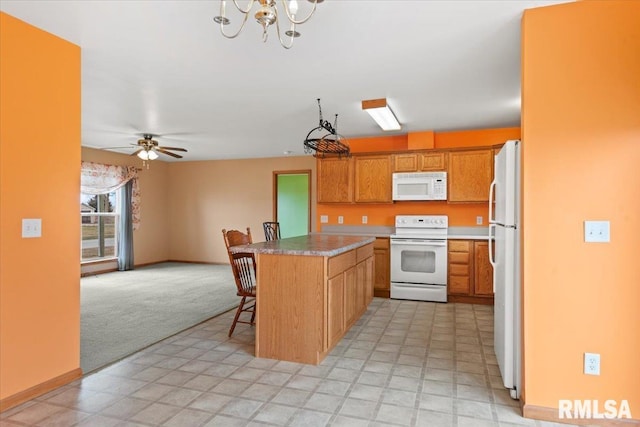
(293, 204)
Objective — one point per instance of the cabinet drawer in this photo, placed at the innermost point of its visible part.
(459, 257)
(459, 284)
(340, 263)
(381, 243)
(459, 245)
(459, 269)
(364, 252)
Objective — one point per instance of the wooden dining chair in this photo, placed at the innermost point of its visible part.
(243, 266)
(235, 238)
(271, 230)
(244, 273)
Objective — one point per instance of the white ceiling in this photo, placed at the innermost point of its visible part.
(163, 67)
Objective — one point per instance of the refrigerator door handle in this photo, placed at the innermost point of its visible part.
(492, 258)
(491, 191)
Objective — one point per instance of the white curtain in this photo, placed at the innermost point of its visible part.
(96, 178)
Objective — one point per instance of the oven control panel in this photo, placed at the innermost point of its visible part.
(422, 221)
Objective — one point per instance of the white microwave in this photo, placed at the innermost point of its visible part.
(420, 186)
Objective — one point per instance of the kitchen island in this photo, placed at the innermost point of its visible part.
(311, 290)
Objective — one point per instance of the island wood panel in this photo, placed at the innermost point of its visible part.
(368, 283)
(350, 297)
(361, 288)
(335, 311)
(291, 304)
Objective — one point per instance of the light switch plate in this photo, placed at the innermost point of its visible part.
(31, 227)
(324, 219)
(596, 231)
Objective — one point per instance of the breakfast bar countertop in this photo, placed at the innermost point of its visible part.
(309, 245)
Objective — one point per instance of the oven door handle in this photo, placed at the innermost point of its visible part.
(415, 242)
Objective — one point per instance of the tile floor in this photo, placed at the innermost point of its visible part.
(404, 363)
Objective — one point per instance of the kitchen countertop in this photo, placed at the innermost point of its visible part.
(310, 245)
(472, 233)
(358, 230)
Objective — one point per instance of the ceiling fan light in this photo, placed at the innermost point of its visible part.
(152, 155)
(144, 155)
(380, 111)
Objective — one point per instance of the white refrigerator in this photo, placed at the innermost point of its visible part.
(504, 231)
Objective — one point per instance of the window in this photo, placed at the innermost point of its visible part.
(99, 222)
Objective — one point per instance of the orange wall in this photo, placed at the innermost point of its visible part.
(39, 178)
(384, 214)
(475, 138)
(207, 196)
(149, 245)
(581, 161)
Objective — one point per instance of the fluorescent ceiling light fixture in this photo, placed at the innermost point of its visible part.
(381, 113)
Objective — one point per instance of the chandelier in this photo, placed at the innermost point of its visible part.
(266, 16)
(325, 139)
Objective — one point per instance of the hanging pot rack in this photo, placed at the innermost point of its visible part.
(328, 144)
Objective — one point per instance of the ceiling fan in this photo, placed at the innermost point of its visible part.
(149, 148)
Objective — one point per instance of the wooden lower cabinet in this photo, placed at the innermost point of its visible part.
(306, 303)
(470, 274)
(350, 296)
(483, 270)
(349, 291)
(335, 303)
(382, 279)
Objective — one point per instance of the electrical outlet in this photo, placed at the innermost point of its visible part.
(324, 219)
(364, 219)
(592, 363)
(596, 231)
(479, 220)
(340, 219)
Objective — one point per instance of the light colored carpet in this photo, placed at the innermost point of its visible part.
(125, 311)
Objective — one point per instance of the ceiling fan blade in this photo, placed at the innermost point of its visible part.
(169, 153)
(117, 148)
(173, 148)
(136, 152)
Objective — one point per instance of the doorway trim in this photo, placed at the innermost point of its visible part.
(274, 193)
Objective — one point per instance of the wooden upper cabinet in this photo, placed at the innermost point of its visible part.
(335, 180)
(419, 162)
(405, 162)
(373, 179)
(470, 175)
(433, 161)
